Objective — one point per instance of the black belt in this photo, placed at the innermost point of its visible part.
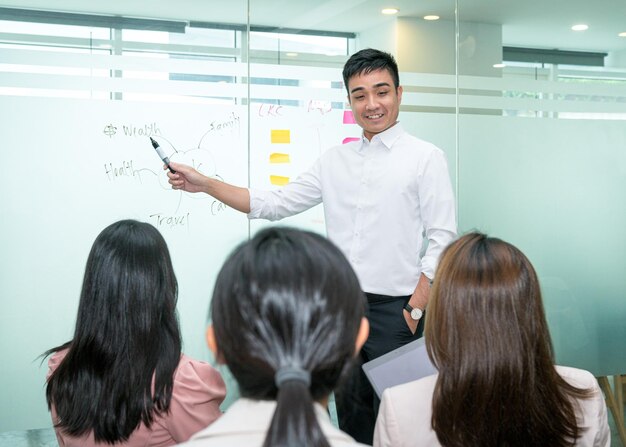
(376, 298)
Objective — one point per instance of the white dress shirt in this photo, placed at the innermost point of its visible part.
(404, 419)
(379, 197)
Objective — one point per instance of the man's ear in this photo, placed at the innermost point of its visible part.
(399, 93)
(362, 334)
(212, 344)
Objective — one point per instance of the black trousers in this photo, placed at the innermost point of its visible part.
(357, 402)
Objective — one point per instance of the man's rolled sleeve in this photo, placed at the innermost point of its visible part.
(293, 198)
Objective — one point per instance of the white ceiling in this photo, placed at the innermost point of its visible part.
(530, 23)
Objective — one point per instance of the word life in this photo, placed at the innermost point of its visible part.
(125, 169)
(321, 106)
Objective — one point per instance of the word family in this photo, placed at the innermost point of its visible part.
(230, 123)
(125, 169)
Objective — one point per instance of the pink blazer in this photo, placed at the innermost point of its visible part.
(197, 394)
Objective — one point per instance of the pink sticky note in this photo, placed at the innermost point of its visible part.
(349, 139)
(348, 117)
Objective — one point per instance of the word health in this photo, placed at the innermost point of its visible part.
(124, 169)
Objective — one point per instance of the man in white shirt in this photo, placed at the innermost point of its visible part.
(381, 196)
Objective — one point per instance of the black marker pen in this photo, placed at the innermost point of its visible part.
(166, 160)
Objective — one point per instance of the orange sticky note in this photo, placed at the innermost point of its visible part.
(279, 180)
(277, 157)
(281, 136)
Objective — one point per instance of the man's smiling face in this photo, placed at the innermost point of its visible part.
(375, 101)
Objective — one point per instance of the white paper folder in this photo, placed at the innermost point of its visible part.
(405, 364)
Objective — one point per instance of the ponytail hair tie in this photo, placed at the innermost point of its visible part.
(292, 373)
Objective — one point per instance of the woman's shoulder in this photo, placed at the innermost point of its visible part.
(191, 371)
(579, 378)
(420, 385)
(55, 360)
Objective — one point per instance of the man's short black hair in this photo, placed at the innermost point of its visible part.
(368, 60)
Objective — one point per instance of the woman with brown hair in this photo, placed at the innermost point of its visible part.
(497, 384)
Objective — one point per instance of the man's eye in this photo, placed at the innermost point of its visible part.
(383, 93)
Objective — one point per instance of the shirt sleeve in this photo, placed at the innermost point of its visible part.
(293, 198)
(438, 210)
(198, 392)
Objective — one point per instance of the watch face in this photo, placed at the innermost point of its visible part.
(416, 314)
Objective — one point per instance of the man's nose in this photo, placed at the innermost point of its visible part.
(371, 103)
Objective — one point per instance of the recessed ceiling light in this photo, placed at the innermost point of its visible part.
(390, 11)
(500, 65)
(432, 17)
(622, 34)
(580, 27)
(291, 54)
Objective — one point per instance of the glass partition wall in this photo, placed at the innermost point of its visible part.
(530, 113)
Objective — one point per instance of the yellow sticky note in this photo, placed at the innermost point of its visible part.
(279, 180)
(281, 136)
(277, 157)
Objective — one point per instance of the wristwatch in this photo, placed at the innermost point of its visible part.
(415, 312)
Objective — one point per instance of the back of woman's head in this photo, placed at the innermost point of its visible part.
(287, 308)
(126, 332)
(485, 301)
(487, 335)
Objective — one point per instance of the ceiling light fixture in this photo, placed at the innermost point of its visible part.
(500, 65)
(622, 34)
(291, 54)
(431, 17)
(390, 11)
(580, 27)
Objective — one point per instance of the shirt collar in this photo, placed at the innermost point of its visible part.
(387, 137)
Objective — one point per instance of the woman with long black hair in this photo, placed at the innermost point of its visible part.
(288, 320)
(122, 378)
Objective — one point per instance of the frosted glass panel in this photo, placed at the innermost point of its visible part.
(555, 188)
(542, 164)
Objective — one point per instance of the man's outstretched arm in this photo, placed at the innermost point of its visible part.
(188, 179)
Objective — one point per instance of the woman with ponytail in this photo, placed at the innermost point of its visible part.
(287, 319)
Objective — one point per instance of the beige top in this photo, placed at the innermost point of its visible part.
(405, 413)
(246, 422)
